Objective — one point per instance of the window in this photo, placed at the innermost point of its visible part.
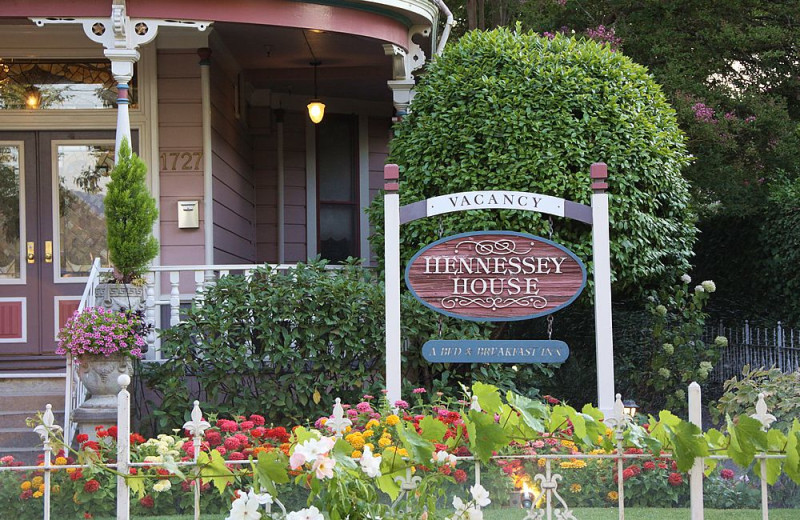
(337, 188)
(64, 84)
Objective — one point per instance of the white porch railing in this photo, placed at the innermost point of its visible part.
(555, 504)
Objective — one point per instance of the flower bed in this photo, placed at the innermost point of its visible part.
(421, 454)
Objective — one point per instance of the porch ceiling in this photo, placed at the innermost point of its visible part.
(278, 59)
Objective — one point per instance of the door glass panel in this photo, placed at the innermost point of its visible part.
(10, 252)
(83, 175)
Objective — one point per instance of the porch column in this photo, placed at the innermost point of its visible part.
(208, 177)
(122, 61)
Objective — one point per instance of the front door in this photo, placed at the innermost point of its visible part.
(52, 186)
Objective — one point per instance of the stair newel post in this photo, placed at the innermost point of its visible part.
(123, 447)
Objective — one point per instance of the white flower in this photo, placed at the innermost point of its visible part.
(721, 341)
(459, 506)
(309, 450)
(244, 508)
(153, 458)
(323, 466)
(261, 498)
(480, 495)
(370, 464)
(311, 513)
(161, 486)
(709, 286)
(442, 457)
(699, 289)
(661, 310)
(474, 404)
(686, 279)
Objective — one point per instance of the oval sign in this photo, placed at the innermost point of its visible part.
(495, 276)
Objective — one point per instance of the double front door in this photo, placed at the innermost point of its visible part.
(52, 227)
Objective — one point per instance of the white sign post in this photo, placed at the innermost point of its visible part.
(596, 215)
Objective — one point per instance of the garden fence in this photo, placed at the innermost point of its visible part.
(551, 499)
(756, 345)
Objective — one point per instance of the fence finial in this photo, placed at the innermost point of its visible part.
(762, 415)
(48, 424)
(124, 380)
(197, 426)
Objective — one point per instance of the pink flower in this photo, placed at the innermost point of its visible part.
(726, 473)
(364, 407)
(403, 405)
(675, 479)
(418, 391)
(323, 467)
(258, 420)
(368, 397)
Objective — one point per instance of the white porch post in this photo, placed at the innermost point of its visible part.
(601, 255)
(391, 212)
(122, 61)
(208, 176)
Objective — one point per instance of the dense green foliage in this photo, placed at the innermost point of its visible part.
(130, 214)
(505, 110)
(289, 342)
(781, 393)
(729, 69)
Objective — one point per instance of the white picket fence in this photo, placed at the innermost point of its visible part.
(755, 345)
(555, 502)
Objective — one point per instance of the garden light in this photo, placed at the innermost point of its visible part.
(630, 407)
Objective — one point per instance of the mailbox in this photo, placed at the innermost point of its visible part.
(188, 214)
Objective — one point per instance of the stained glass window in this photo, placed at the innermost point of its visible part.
(58, 85)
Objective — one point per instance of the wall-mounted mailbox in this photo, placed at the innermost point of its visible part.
(188, 214)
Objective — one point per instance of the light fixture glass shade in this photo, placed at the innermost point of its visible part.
(316, 110)
(33, 97)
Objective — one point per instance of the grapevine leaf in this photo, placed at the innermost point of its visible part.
(488, 436)
(488, 397)
(792, 462)
(534, 413)
(745, 434)
(270, 469)
(418, 447)
(213, 469)
(688, 443)
(432, 429)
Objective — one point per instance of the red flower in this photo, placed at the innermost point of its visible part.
(232, 444)
(91, 486)
(163, 472)
(25, 495)
(214, 438)
(133, 471)
(460, 476)
(462, 451)
(635, 469)
(675, 479)
(633, 451)
(649, 465)
(258, 432)
(227, 426)
(258, 419)
(247, 425)
(236, 455)
(279, 434)
(112, 432)
(726, 473)
(147, 502)
(445, 469)
(136, 438)
(674, 466)
(81, 438)
(88, 515)
(91, 445)
(76, 476)
(221, 450)
(662, 465)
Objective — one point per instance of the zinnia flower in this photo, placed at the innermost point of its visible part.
(91, 486)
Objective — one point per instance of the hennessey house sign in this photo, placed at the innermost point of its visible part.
(495, 276)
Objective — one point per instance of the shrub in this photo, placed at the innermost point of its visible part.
(130, 214)
(503, 110)
(781, 393)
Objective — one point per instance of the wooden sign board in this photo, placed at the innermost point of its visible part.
(495, 351)
(495, 276)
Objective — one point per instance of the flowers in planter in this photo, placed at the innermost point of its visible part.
(100, 332)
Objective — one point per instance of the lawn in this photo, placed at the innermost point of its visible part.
(631, 513)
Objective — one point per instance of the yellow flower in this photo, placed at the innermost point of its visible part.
(575, 488)
(372, 423)
(609, 432)
(384, 442)
(567, 443)
(371, 447)
(612, 496)
(573, 463)
(323, 420)
(355, 440)
(25, 486)
(37, 494)
(368, 433)
(348, 429)
(356, 454)
(60, 461)
(392, 420)
(37, 481)
(599, 451)
(41, 488)
(70, 471)
(541, 462)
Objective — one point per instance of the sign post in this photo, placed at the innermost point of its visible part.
(498, 276)
(391, 249)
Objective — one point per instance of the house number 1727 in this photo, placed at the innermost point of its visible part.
(180, 161)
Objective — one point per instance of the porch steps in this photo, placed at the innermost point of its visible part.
(21, 398)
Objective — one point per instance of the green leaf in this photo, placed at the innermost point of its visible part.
(485, 435)
(792, 463)
(432, 429)
(534, 413)
(418, 447)
(742, 447)
(270, 470)
(688, 443)
(488, 397)
(213, 469)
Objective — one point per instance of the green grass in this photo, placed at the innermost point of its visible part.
(631, 513)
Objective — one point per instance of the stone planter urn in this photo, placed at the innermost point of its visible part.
(99, 375)
(119, 296)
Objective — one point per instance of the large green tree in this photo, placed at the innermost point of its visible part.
(509, 110)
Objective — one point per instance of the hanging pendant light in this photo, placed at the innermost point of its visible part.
(33, 97)
(316, 108)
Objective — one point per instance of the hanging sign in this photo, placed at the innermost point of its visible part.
(495, 351)
(495, 276)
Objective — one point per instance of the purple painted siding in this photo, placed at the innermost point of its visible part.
(234, 194)
(180, 119)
